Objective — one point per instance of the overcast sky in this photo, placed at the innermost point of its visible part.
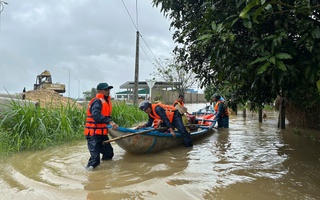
(93, 40)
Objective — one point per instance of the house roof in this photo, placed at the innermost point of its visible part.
(143, 91)
(143, 84)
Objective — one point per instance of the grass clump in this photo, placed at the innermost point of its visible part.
(127, 115)
(30, 127)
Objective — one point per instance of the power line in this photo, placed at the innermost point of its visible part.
(136, 26)
(146, 54)
(130, 15)
(150, 51)
(137, 21)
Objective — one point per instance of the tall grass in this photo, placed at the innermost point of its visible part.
(30, 127)
(127, 115)
(26, 127)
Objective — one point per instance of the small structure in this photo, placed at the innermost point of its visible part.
(143, 87)
(126, 95)
(161, 91)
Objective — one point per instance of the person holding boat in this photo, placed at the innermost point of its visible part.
(169, 116)
(179, 104)
(221, 113)
(98, 117)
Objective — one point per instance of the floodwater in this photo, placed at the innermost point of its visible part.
(248, 161)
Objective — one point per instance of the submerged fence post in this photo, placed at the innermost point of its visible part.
(260, 115)
(244, 112)
(282, 116)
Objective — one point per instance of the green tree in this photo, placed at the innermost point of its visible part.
(88, 95)
(256, 49)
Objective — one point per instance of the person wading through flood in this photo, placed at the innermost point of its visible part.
(221, 111)
(98, 117)
(169, 116)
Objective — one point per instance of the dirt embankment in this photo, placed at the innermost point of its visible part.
(49, 98)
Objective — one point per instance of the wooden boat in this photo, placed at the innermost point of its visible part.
(147, 140)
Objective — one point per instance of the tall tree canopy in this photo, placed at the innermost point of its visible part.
(257, 49)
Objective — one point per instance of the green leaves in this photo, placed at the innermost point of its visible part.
(260, 48)
(283, 56)
(275, 60)
(244, 12)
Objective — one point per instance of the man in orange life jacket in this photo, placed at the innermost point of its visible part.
(179, 104)
(169, 116)
(98, 117)
(179, 101)
(221, 112)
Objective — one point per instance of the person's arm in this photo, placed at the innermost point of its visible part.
(96, 108)
(220, 110)
(149, 123)
(162, 114)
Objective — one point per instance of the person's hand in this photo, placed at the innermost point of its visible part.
(172, 133)
(141, 126)
(114, 125)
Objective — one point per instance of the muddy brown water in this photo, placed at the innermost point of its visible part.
(248, 161)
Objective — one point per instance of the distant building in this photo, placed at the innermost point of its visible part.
(161, 91)
(128, 95)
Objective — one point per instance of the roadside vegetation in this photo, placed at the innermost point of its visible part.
(27, 127)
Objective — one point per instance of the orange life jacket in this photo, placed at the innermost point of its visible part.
(156, 123)
(178, 102)
(169, 112)
(93, 128)
(223, 114)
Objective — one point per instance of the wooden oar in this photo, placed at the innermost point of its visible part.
(132, 134)
(196, 125)
(206, 120)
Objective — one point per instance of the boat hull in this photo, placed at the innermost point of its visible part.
(153, 141)
(148, 140)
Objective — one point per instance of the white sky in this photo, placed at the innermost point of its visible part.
(96, 40)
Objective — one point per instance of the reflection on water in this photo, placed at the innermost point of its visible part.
(250, 160)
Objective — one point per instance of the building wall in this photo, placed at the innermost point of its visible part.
(168, 97)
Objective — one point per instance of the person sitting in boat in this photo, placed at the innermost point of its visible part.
(169, 116)
(179, 101)
(221, 113)
(179, 104)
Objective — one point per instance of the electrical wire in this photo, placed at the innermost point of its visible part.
(129, 15)
(136, 26)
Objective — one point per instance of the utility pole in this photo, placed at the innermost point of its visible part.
(136, 74)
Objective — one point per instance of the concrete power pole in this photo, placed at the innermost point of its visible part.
(136, 74)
